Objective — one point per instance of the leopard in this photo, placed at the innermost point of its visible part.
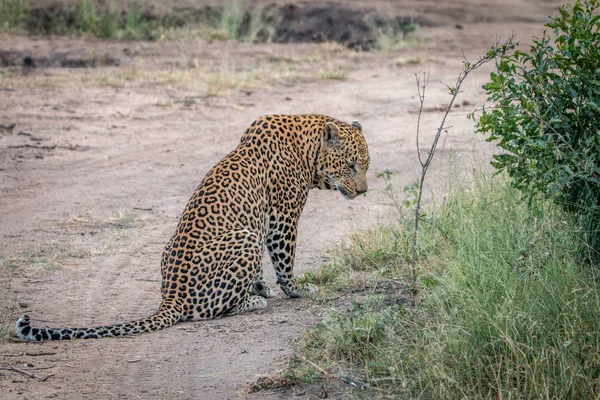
(250, 200)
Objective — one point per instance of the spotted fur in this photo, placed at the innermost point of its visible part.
(250, 200)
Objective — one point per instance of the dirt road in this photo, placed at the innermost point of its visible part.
(96, 171)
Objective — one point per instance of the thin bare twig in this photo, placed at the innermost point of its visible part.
(43, 353)
(421, 92)
(28, 354)
(48, 367)
(29, 374)
(72, 147)
(33, 146)
(496, 51)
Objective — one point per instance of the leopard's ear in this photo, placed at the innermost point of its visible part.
(332, 135)
(357, 125)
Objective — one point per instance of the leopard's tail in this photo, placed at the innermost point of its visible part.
(169, 313)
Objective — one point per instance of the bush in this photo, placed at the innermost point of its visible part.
(547, 114)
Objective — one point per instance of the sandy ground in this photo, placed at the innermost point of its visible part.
(87, 148)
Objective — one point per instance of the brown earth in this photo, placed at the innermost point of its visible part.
(101, 161)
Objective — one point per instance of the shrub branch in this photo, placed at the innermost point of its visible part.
(498, 50)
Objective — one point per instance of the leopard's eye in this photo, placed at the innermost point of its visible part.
(350, 163)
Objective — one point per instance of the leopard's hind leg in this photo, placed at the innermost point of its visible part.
(219, 278)
(250, 303)
(260, 288)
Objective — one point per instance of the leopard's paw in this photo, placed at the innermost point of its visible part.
(260, 288)
(304, 290)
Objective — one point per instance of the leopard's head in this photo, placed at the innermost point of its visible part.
(343, 159)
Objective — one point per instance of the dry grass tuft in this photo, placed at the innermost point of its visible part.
(338, 74)
(7, 327)
(417, 59)
(121, 220)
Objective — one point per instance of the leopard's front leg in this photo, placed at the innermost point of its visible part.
(281, 243)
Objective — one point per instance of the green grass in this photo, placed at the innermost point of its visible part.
(330, 279)
(235, 23)
(107, 22)
(85, 17)
(506, 310)
(230, 20)
(137, 22)
(13, 14)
